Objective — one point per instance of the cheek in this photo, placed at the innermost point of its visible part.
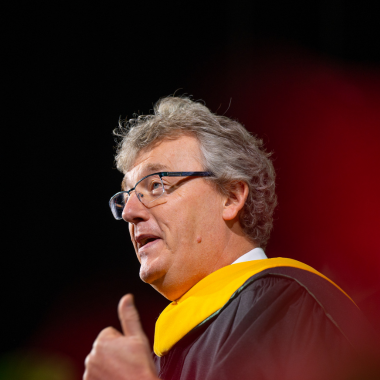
(189, 216)
(194, 222)
(208, 216)
(177, 226)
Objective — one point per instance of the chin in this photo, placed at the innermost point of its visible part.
(150, 275)
(146, 277)
(156, 280)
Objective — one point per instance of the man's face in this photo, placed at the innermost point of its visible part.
(186, 233)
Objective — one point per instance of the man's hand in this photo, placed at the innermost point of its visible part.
(115, 356)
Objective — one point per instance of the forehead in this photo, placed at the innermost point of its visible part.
(181, 154)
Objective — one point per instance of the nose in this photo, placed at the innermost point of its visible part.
(134, 211)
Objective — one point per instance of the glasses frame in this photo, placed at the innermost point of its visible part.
(160, 174)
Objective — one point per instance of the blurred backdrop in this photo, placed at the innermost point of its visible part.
(303, 76)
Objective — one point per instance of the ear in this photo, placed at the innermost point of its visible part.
(235, 200)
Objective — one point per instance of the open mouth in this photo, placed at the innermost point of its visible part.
(143, 241)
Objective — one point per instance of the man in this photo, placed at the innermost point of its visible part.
(198, 194)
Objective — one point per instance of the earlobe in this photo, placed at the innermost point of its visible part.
(235, 200)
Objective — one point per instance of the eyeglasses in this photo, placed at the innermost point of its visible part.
(149, 190)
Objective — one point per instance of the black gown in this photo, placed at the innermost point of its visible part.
(283, 323)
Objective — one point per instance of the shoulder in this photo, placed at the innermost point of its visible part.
(283, 295)
(290, 284)
(272, 302)
(296, 319)
(271, 319)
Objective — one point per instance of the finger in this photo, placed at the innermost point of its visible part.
(129, 317)
(108, 333)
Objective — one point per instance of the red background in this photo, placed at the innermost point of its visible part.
(303, 76)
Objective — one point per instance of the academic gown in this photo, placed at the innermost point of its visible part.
(282, 323)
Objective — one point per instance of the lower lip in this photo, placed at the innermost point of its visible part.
(150, 244)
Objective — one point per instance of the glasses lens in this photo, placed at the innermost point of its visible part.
(150, 189)
(117, 204)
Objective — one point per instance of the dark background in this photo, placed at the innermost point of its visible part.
(304, 76)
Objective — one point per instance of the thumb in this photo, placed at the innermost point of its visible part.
(129, 317)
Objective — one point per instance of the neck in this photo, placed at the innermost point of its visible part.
(237, 246)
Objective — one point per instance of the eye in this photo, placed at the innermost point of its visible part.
(155, 186)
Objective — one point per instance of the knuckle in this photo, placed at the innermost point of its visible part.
(106, 333)
(96, 348)
(88, 360)
(95, 344)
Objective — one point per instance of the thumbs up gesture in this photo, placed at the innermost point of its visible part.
(117, 356)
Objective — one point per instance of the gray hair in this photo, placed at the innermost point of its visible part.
(229, 151)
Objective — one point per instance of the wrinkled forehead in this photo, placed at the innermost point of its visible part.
(181, 154)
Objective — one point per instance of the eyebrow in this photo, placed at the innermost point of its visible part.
(149, 169)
